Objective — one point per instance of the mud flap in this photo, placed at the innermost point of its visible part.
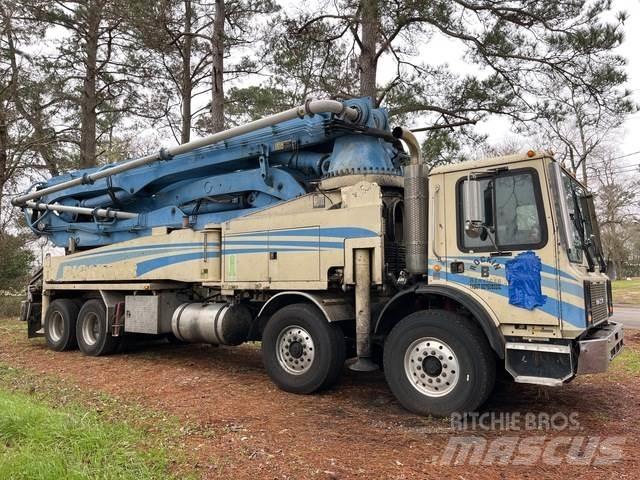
(33, 315)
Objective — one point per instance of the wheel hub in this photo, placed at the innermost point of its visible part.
(296, 350)
(91, 329)
(56, 326)
(431, 366)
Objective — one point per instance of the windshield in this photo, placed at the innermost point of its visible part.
(583, 228)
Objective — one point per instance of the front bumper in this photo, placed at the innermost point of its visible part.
(599, 347)
(555, 364)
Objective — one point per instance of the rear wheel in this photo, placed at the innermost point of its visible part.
(60, 324)
(94, 337)
(302, 352)
(437, 362)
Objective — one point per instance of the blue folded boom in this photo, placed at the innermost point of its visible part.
(223, 180)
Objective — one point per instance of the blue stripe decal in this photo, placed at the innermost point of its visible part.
(155, 263)
(568, 312)
(502, 262)
(334, 232)
(144, 247)
(572, 288)
(291, 243)
(118, 255)
(566, 287)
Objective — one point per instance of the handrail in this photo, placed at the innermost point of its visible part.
(434, 222)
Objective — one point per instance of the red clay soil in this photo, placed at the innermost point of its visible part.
(243, 427)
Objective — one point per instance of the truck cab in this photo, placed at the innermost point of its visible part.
(514, 243)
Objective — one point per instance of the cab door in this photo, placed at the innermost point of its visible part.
(510, 265)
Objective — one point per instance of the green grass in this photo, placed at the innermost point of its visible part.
(10, 305)
(40, 442)
(626, 292)
(628, 361)
(50, 429)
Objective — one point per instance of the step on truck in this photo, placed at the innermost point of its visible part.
(319, 232)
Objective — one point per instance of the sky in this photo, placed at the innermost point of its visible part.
(499, 128)
(631, 139)
(442, 50)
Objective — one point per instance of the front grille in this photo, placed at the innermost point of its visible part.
(596, 301)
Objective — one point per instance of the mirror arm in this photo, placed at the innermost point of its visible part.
(492, 238)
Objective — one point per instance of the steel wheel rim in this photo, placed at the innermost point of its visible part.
(91, 329)
(56, 326)
(431, 366)
(295, 350)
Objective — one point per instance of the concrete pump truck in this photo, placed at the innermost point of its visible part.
(319, 232)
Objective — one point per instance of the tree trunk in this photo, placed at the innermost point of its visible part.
(88, 100)
(368, 62)
(4, 152)
(217, 68)
(187, 82)
(619, 270)
(584, 172)
(42, 139)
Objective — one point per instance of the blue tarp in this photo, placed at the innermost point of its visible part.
(523, 275)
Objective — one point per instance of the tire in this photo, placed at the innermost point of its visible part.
(60, 325)
(93, 337)
(458, 372)
(308, 336)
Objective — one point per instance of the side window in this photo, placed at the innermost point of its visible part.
(512, 212)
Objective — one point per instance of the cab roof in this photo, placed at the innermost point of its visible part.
(489, 162)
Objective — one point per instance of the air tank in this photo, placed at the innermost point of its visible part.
(216, 323)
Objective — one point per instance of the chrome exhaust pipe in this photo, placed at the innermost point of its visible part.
(416, 194)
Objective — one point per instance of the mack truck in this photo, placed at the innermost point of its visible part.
(320, 232)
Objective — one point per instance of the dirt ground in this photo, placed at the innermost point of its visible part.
(242, 427)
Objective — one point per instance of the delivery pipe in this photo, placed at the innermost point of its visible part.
(309, 108)
(98, 212)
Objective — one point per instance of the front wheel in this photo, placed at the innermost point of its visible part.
(437, 362)
(302, 352)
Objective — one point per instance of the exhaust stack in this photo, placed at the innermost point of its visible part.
(415, 205)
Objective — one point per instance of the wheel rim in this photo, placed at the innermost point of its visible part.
(91, 329)
(431, 366)
(56, 326)
(295, 350)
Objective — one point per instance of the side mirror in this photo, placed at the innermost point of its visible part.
(473, 217)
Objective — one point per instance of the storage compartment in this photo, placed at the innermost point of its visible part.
(149, 313)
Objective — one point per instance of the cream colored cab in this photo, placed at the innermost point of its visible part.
(518, 235)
